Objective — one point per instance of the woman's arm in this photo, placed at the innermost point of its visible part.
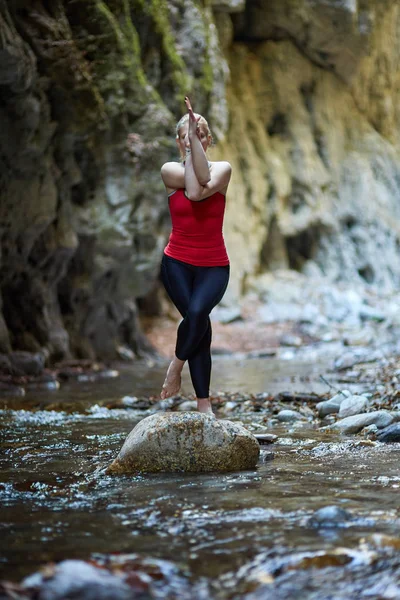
(199, 159)
(220, 175)
(174, 176)
(193, 188)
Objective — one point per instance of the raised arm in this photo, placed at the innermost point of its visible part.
(198, 138)
(197, 176)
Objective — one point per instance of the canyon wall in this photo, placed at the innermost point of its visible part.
(301, 95)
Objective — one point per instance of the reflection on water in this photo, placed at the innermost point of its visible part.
(57, 503)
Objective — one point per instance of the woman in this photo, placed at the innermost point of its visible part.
(195, 265)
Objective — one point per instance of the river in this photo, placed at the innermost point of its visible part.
(222, 535)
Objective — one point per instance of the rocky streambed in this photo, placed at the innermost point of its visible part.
(318, 516)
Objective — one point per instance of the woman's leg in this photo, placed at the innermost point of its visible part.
(178, 282)
(208, 288)
(194, 332)
(194, 291)
(200, 372)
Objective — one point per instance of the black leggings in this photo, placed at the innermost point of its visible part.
(194, 291)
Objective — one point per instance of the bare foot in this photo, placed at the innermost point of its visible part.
(172, 383)
(204, 406)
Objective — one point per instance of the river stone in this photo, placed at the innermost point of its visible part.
(389, 434)
(329, 516)
(354, 405)
(77, 579)
(287, 416)
(190, 441)
(328, 407)
(380, 418)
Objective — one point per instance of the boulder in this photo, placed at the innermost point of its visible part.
(191, 442)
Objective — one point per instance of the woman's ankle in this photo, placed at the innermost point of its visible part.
(204, 405)
(177, 363)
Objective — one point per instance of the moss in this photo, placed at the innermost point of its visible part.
(158, 11)
(123, 69)
(207, 80)
(127, 44)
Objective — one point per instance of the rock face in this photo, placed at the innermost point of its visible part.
(302, 97)
(190, 442)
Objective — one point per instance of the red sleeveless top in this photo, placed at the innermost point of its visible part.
(196, 236)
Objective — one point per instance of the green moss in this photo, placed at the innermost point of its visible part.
(127, 40)
(207, 80)
(158, 11)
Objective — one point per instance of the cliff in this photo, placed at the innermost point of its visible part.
(302, 98)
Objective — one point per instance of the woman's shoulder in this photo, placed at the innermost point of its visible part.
(222, 165)
(172, 166)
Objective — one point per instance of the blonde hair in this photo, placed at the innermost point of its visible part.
(201, 121)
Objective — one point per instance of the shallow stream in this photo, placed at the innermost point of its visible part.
(224, 536)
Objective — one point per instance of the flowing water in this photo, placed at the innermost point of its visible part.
(223, 535)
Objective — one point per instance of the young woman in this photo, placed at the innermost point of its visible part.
(195, 265)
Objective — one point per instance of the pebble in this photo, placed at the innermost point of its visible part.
(286, 416)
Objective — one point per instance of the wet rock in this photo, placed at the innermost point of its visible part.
(77, 579)
(380, 418)
(329, 516)
(333, 404)
(265, 438)
(266, 456)
(389, 434)
(7, 390)
(191, 442)
(353, 405)
(26, 363)
(287, 416)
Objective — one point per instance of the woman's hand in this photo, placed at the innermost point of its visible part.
(194, 128)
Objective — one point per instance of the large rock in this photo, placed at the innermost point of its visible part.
(380, 418)
(191, 442)
(77, 579)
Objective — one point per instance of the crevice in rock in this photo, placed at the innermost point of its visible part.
(302, 247)
(367, 273)
(278, 125)
(274, 254)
